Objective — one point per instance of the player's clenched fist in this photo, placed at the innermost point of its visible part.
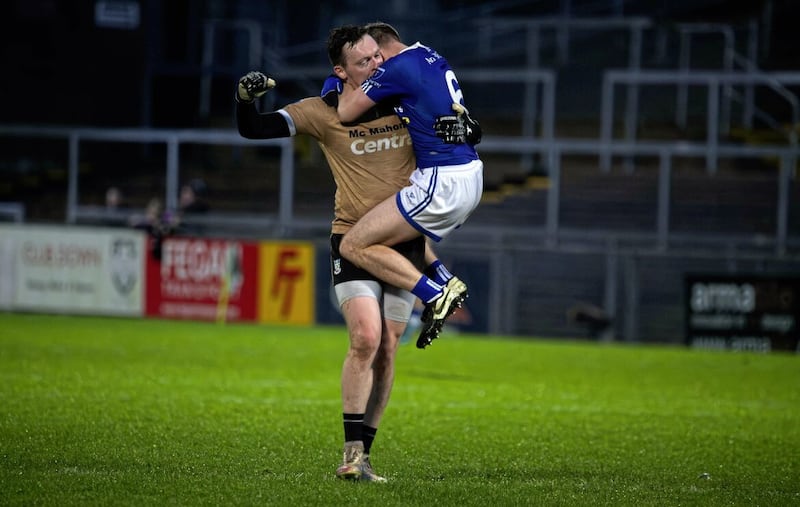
(253, 85)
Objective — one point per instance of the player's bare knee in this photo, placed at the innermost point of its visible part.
(364, 342)
(363, 352)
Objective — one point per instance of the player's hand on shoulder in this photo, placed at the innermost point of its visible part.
(458, 128)
(332, 83)
(331, 89)
(253, 85)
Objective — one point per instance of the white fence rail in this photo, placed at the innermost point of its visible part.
(551, 150)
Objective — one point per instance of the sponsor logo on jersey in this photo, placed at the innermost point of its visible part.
(377, 74)
(367, 146)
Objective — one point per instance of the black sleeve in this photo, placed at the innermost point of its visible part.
(255, 125)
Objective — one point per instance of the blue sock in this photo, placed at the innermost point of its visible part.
(426, 289)
(438, 272)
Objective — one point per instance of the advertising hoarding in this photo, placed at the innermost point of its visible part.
(202, 279)
(740, 312)
(72, 270)
(287, 283)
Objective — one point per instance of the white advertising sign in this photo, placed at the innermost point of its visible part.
(72, 270)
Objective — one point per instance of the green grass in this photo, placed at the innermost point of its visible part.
(103, 411)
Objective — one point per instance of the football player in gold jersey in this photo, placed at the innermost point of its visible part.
(370, 159)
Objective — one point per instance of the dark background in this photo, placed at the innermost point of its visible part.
(59, 67)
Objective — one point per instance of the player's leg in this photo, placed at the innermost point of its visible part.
(457, 291)
(455, 192)
(437, 201)
(382, 383)
(383, 374)
(362, 316)
(436, 312)
(365, 245)
(358, 296)
(368, 245)
(397, 307)
(435, 268)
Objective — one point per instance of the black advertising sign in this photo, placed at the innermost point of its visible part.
(740, 312)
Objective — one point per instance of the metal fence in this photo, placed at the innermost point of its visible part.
(525, 295)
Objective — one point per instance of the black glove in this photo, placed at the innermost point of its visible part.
(253, 85)
(459, 128)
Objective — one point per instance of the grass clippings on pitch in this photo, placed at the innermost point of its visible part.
(104, 411)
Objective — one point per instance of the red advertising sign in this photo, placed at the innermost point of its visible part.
(203, 279)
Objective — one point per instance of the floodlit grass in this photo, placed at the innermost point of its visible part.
(103, 411)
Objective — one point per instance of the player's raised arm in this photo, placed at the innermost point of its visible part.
(253, 85)
(251, 123)
(353, 102)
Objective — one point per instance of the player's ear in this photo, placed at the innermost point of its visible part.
(340, 73)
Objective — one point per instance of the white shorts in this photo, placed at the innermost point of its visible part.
(441, 198)
(396, 304)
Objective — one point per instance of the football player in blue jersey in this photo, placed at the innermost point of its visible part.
(445, 187)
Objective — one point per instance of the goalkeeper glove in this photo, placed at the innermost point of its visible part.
(253, 85)
(459, 128)
(473, 131)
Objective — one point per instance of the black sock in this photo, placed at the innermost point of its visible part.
(369, 435)
(353, 424)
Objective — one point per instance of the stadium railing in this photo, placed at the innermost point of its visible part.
(713, 81)
(172, 139)
(13, 210)
(551, 150)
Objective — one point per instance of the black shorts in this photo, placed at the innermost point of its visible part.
(343, 270)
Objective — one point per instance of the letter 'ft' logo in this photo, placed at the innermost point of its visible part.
(285, 280)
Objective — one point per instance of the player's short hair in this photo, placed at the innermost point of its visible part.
(382, 32)
(338, 38)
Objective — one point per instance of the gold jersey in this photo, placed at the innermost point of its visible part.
(370, 161)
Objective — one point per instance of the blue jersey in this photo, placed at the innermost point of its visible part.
(423, 87)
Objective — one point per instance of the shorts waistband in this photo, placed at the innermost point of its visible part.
(469, 165)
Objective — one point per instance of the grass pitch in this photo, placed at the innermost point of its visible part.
(104, 411)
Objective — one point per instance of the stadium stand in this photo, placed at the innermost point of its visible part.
(621, 239)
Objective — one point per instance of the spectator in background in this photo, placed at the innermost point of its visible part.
(112, 215)
(192, 198)
(113, 199)
(157, 223)
(192, 202)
